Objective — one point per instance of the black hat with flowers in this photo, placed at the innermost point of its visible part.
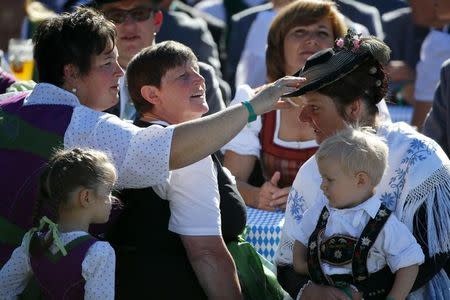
(330, 65)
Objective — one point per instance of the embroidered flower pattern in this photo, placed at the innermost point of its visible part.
(389, 200)
(337, 254)
(343, 241)
(325, 215)
(312, 246)
(417, 151)
(365, 241)
(382, 213)
(297, 205)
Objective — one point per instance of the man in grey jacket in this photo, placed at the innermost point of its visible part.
(437, 122)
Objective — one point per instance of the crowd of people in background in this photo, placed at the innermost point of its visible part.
(149, 126)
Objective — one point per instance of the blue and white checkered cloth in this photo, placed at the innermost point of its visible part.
(264, 231)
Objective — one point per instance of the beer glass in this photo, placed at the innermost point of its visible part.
(20, 56)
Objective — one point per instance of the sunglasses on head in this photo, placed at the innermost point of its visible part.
(138, 14)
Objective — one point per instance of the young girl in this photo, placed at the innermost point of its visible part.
(342, 240)
(62, 260)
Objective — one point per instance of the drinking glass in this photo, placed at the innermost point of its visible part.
(20, 56)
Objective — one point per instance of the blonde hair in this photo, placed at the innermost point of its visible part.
(300, 12)
(357, 150)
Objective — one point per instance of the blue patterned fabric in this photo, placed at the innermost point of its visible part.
(418, 151)
(264, 231)
(297, 207)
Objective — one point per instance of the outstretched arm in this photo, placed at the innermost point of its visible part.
(214, 266)
(196, 139)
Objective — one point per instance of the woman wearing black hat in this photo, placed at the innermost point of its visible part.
(344, 84)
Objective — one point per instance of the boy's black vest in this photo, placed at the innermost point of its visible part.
(151, 260)
(341, 250)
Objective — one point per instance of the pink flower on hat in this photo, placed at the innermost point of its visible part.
(356, 44)
(340, 42)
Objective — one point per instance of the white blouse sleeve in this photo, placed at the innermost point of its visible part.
(246, 142)
(98, 269)
(400, 246)
(141, 155)
(307, 224)
(304, 193)
(15, 274)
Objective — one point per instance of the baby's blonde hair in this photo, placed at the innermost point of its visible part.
(357, 150)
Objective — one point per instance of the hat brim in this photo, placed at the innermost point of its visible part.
(101, 2)
(326, 72)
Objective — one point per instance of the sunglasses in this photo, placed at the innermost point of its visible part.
(138, 14)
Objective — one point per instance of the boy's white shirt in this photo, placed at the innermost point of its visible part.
(394, 246)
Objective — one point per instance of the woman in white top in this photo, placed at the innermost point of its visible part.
(278, 139)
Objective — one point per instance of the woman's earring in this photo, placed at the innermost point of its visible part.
(74, 90)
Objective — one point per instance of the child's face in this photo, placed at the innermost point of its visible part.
(342, 190)
(103, 204)
(182, 93)
(103, 201)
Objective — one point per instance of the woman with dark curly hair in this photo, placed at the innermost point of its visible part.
(344, 85)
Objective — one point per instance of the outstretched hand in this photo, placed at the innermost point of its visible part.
(268, 97)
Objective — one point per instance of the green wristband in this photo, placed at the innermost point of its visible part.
(251, 112)
(347, 291)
